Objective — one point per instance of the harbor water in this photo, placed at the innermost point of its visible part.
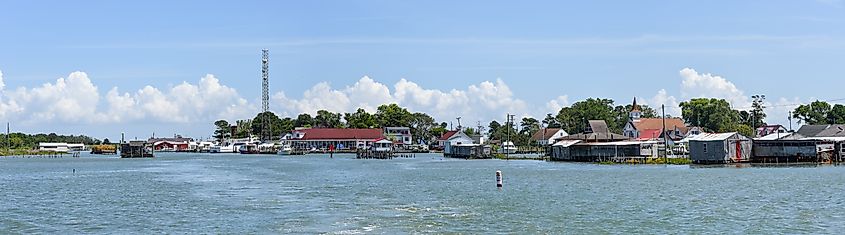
(271, 194)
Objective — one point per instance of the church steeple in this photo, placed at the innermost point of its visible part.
(635, 113)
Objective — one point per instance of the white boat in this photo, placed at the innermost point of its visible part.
(232, 145)
(507, 148)
(285, 150)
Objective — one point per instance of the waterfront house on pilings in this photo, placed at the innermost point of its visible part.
(786, 151)
(720, 148)
(136, 149)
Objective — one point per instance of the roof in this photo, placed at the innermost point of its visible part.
(340, 134)
(177, 139)
(657, 123)
(811, 130)
(713, 136)
(832, 131)
(447, 135)
(634, 106)
(595, 137)
(566, 143)
(544, 134)
(649, 134)
(774, 136)
(598, 126)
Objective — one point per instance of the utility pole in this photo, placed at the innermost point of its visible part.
(665, 137)
(790, 121)
(509, 124)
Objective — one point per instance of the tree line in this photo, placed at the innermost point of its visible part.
(30, 141)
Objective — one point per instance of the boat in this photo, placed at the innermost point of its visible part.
(507, 148)
(232, 145)
(248, 148)
(285, 150)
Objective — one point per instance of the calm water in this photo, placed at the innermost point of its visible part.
(197, 193)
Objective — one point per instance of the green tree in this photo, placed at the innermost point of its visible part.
(714, 115)
(814, 113)
(326, 119)
(223, 130)
(276, 128)
(574, 119)
(106, 141)
(243, 128)
(360, 119)
(393, 115)
(551, 121)
(304, 120)
(837, 114)
(286, 125)
(421, 127)
(529, 126)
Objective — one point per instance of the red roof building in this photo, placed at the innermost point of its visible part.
(341, 138)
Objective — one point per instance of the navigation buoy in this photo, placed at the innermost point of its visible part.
(499, 179)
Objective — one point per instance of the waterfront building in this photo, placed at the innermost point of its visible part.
(177, 144)
(547, 136)
(597, 131)
(720, 148)
(400, 135)
(340, 138)
(54, 147)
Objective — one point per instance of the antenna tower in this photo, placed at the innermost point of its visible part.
(265, 94)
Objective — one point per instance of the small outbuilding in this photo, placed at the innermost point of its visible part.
(720, 148)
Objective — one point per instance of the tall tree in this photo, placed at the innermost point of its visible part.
(276, 128)
(243, 128)
(550, 121)
(574, 119)
(421, 127)
(360, 119)
(529, 126)
(393, 115)
(326, 119)
(837, 114)
(223, 130)
(713, 115)
(814, 113)
(304, 120)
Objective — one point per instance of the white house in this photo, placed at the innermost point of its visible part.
(457, 138)
(548, 136)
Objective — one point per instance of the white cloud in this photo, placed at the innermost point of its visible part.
(705, 85)
(76, 99)
(483, 101)
(71, 99)
(558, 103)
(663, 98)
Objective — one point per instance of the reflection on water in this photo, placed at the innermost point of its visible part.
(197, 193)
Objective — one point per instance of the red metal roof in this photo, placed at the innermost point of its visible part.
(649, 134)
(341, 134)
(447, 135)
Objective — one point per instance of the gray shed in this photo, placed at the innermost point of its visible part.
(720, 148)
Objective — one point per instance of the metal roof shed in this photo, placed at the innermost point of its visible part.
(720, 148)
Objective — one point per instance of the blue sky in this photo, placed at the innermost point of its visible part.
(475, 59)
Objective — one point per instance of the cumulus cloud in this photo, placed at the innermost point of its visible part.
(76, 99)
(705, 85)
(663, 98)
(558, 103)
(486, 100)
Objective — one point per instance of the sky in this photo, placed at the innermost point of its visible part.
(173, 67)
